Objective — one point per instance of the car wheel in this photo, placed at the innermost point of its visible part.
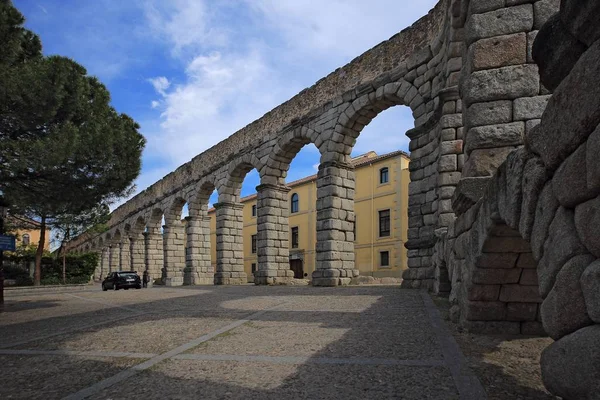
(115, 287)
(104, 288)
(126, 288)
(138, 287)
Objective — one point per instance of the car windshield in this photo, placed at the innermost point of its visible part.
(127, 275)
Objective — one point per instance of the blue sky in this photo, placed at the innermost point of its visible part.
(192, 72)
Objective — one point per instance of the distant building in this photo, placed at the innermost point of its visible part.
(27, 231)
(381, 229)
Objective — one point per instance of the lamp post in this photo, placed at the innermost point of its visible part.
(3, 206)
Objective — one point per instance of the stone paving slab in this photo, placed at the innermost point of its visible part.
(330, 333)
(144, 334)
(188, 379)
(48, 377)
(235, 342)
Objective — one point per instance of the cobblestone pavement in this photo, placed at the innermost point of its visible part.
(231, 342)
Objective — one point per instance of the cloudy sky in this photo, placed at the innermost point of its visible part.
(192, 72)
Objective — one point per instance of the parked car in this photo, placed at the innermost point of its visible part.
(122, 280)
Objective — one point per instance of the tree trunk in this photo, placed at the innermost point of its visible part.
(38, 255)
(64, 271)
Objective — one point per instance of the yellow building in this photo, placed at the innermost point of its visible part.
(381, 207)
(27, 231)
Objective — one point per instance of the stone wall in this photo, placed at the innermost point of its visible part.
(522, 255)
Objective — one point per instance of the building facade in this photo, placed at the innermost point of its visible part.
(27, 231)
(380, 230)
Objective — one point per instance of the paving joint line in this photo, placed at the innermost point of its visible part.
(468, 385)
(128, 373)
(77, 353)
(309, 360)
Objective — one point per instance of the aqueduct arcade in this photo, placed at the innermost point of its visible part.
(504, 185)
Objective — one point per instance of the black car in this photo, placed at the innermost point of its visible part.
(122, 280)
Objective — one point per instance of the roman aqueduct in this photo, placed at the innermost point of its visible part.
(504, 205)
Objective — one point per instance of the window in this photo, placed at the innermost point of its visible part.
(253, 244)
(384, 176)
(295, 237)
(384, 258)
(384, 223)
(254, 210)
(26, 239)
(253, 267)
(294, 208)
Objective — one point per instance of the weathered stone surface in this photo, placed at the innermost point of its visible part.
(502, 83)
(498, 51)
(570, 366)
(485, 162)
(587, 221)
(530, 107)
(521, 311)
(545, 210)
(484, 292)
(490, 113)
(489, 276)
(497, 260)
(519, 294)
(562, 244)
(534, 178)
(569, 181)
(574, 108)
(556, 51)
(592, 166)
(564, 309)
(582, 19)
(492, 136)
(590, 284)
(543, 10)
(486, 311)
(500, 22)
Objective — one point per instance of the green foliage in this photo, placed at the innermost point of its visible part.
(65, 153)
(79, 269)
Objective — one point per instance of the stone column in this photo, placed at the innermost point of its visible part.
(124, 255)
(114, 258)
(273, 236)
(105, 262)
(198, 270)
(137, 253)
(335, 225)
(174, 253)
(154, 253)
(230, 244)
(98, 270)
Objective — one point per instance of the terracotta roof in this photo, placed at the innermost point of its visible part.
(358, 161)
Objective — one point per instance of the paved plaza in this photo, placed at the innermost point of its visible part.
(231, 342)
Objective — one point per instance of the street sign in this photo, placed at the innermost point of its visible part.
(7, 243)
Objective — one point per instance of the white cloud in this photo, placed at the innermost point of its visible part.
(184, 24)
(160, 84)
(226, 84)
(341, 27)
(221, 94)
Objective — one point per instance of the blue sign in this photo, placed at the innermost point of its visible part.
(7, 243)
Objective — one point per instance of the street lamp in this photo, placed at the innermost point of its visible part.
(3, 209)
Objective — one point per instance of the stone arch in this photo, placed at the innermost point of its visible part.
(198, 202)
(173, 209)
(358, 114)
(285, 151)
(230, 189)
